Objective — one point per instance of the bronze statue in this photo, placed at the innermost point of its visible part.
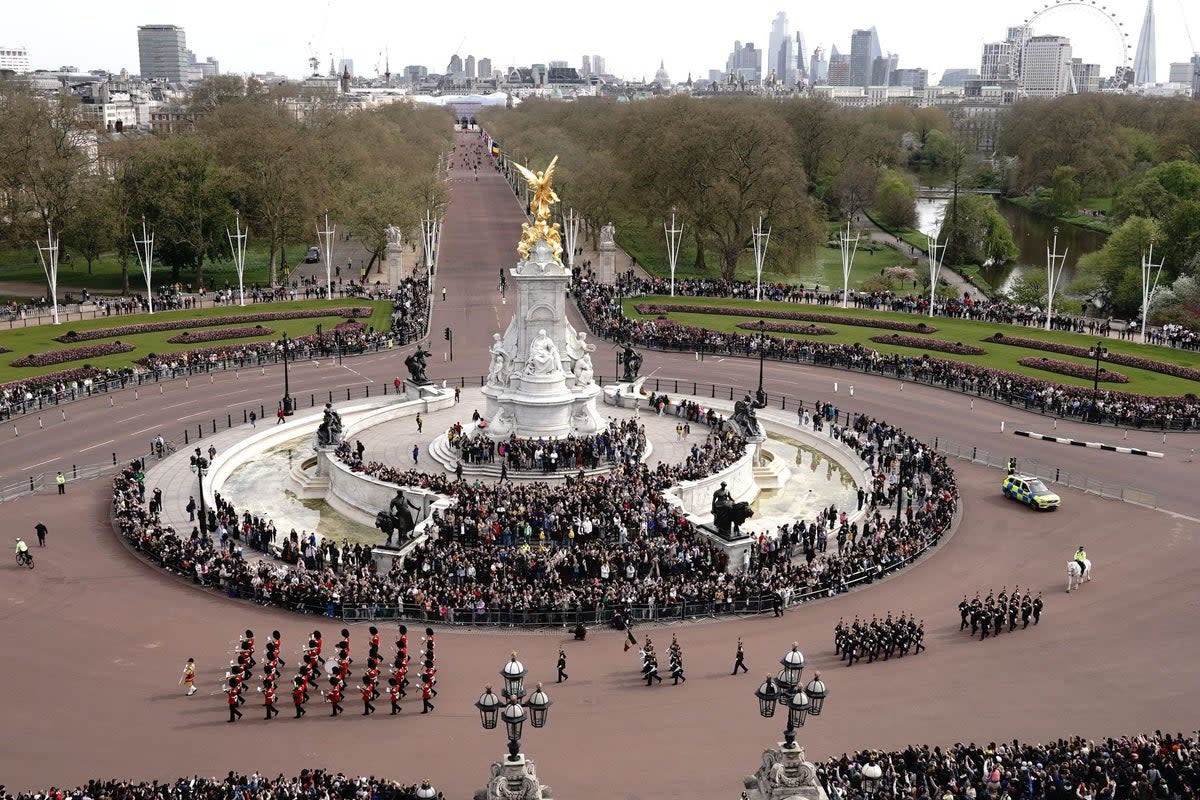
(728, 516)
(416, 365)
(632, 360)
(744, 416)
(398, 519)
(329, 433)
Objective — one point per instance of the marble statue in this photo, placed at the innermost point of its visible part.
(394, 236)
(606, 234)
(499, 370)
(543, 356)
(583, 370)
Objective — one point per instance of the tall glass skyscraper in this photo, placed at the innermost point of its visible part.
(162, 52)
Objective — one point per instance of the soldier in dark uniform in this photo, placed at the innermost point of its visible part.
(1026, 611)
(852, 647)
(964, 610)
(1037, 608)
(562, 665)
(739, 659)
(976, 614)
(677, 667)
(918, 637)
(998, 620)
(1014, 606)
(838, 630)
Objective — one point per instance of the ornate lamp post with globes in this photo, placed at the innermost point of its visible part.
(784, 772)
(513, 777)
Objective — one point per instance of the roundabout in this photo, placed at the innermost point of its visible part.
(106, 633)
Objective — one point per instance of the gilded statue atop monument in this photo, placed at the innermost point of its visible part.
(542, 198)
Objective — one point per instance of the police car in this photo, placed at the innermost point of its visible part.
(1030, 491)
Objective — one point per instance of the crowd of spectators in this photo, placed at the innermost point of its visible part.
(966, 307)
(308, 785)
(1158, 766)
(600, 306)
(583, 548)
(623, 441)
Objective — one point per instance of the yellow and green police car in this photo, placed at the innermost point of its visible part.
(1030, 491)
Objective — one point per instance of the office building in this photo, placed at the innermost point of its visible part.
(957, 76)
(862, 42)
(745, 63)
(1046, 66)
(1196, 76)
(839, 68)
(484, 70)
(1086, 77)
(585, 68)
(1181, 72)
(414, 73)
(882, 69)
(781, 58)
(162, 52)
(801, 59)
(916, 78)
(15, 59)
(1145, 58)
(818, 67)
(345, 65)
(469, 67)
(598, 66)
(997, 63)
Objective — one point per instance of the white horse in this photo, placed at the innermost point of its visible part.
(1074, 578)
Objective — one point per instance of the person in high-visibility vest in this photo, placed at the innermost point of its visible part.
(61, 480)
(1081, 559)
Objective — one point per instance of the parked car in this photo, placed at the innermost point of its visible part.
(313, 256)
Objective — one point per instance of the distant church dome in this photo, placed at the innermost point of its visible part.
(661, 77)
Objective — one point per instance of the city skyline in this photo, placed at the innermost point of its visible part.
(632, 38)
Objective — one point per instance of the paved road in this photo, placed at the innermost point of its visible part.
(103, 636)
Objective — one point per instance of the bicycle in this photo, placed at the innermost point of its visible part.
(25, 559)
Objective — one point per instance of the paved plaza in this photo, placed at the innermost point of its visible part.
(97, 637)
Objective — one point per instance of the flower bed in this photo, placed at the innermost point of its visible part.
(784, 327)
(5, 350)
(71, 354)
(651, 309)
(217, 334)
(1124, 359)
(1072, 369)
(210, 322)
(941, 345)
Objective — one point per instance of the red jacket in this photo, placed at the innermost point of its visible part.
(298, 695)
(269, 696)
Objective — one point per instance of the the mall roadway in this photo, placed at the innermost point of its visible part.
(96, 638)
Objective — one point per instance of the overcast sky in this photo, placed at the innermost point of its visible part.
(269, 35)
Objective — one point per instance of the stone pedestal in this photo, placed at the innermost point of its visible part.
(514, 780)
(784, 774)
(537, 385)
(391, 268)
(606, 269)
(769, 472)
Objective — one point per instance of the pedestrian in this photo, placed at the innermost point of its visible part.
(212, 453)
(443, 294)
(188, 678)
(61, 480)
(457, 395)
(562, 665)
(416, 453)
(190, 508)
(280, 416)
(1037, 609)
(41, 530)
(458, 471)
(739, 658)
(254, 419)
(359, 449)
(420, 422)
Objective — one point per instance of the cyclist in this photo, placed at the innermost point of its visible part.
(22, 551)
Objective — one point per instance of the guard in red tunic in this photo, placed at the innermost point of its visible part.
(426, 694)
(394, 692)
(366, 690)
(374, 643)
(299, 696)
(334, 697)
(268, 693)
(233, 693)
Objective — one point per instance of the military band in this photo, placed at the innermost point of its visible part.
(991, 614)
(878, 639)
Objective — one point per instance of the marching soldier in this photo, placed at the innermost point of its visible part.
(268, 693)
(1014, 606)
(562, 665)
(919, 637)
(299, 696)
(1037, 608)
(1026, 611)
(739, 658)
(367, 691)
(234, 695)
(677, 668)
(426, 694)
(964, 610)
(188, 678)
(334, 697)
(838, 630)
(394, 692)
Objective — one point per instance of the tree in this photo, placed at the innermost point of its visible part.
(975, 232)
(896, 200)
(1118, 263)
(855, 188)
(1029, 288)
(1064, 196)
(92, 227)
(1180, 242)
(178, 187)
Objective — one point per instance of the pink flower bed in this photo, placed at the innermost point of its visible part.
(71, 354)
(5, 350)
(209, 322)
(1124, 359)
(783, 327)
(941, 345)
(1072, 369)
(652, 309)
(217, 334)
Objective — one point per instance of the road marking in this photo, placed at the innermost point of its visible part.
(31, 466)
(94, 446)
(359, 374)
(177, 405)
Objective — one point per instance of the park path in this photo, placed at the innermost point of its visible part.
(960, 284)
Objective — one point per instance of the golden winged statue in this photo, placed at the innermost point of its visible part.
(539, 205)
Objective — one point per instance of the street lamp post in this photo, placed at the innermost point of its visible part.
(513, 769)
(1098, 352)
(673, 236)
(199, 466)
(288, 405)
(786, 766)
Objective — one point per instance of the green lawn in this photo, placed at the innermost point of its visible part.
(965, 331)
(822, 266)
(21, 264)
(40, 338)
